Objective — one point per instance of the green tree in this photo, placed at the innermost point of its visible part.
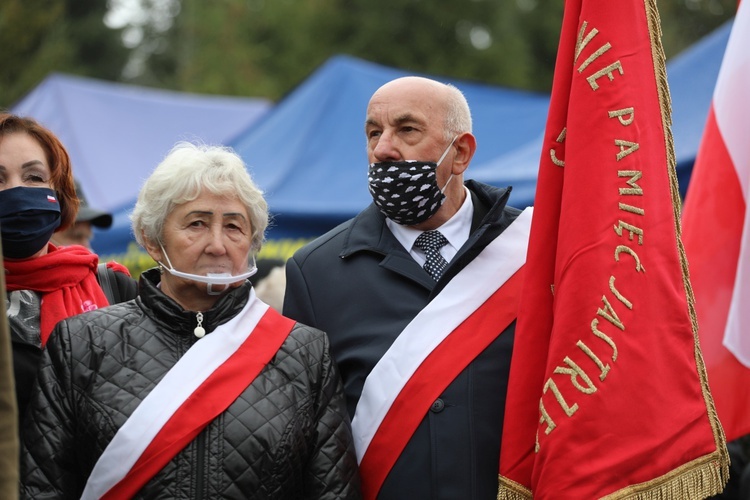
(42, 36)
(265, 48)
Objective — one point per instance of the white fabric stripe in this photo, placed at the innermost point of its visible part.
(732, 107)
(190, 371)
(736, 338)
(458, 300)
(730, 99)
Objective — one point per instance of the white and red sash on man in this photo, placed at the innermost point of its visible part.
(200, 386)
(456, 326)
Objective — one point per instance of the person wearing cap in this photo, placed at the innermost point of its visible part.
(82, 232)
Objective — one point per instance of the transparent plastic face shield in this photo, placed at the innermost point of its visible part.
(211, 279)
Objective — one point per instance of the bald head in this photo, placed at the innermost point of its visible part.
(438, 101)
(419, 119)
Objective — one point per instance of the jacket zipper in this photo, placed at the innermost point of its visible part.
(200, 441)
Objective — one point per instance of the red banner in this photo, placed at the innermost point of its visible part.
(608, 395)
(717, 234)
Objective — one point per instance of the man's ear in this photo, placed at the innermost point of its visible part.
(466, 146)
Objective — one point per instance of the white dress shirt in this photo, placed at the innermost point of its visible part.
(456, 230)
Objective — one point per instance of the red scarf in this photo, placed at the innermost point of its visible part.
(66, 278)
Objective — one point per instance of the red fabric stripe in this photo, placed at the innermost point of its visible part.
(214, 396)
(435, 374)
(712, 229)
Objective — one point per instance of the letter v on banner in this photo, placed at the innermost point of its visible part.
(606, 344)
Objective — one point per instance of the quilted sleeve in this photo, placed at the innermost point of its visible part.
(333, 471)
(48, 445)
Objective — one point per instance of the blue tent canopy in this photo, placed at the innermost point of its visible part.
(692, 77)
(308, 152)
(116, 134)
(309, 155)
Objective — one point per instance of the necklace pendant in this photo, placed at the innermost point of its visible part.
(199, 330)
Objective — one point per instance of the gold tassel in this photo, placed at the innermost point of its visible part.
(701, 478)
(511, 490)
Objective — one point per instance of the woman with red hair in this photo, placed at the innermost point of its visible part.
(44, 283)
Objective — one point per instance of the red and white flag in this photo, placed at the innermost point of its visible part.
(608, 396)
(716, 233)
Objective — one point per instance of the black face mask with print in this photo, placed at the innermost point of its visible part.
(406, 191)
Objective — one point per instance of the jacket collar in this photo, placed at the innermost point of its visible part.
(174, 318)
(369, 232)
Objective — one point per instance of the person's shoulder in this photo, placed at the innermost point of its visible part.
(511, 213)
(303, 331)
(98, 326)
(496, 198)
(127, 285)
(103, 316)
(328, 243)
(116, 282)
(306, 339)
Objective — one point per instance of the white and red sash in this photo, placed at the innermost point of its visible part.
(455, 327)
(200, 386)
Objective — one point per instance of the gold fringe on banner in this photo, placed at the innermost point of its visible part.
(701, 478)
(511, 490)
(711, 473)
(698, 479)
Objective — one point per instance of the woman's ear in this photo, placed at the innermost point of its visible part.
(466, 146)
(153, 249)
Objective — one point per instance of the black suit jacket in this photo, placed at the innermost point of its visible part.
(359, 285)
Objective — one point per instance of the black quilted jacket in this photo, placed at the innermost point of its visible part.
(286, 437)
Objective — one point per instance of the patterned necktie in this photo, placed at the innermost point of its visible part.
(430, 242)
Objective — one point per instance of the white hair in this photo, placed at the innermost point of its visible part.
(457, 113)
(185, 172)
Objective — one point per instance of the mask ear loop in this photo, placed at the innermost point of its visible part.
(253, 269)
(450, 178)
(165, 255)
(445, 153)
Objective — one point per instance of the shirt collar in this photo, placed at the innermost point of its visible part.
(456, 229)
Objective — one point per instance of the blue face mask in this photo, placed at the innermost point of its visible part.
(28, 217)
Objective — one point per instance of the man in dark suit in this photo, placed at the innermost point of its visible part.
(406, 309)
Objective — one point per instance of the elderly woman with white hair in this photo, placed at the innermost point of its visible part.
(195, 389)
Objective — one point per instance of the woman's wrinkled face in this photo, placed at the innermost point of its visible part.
(211, 234)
